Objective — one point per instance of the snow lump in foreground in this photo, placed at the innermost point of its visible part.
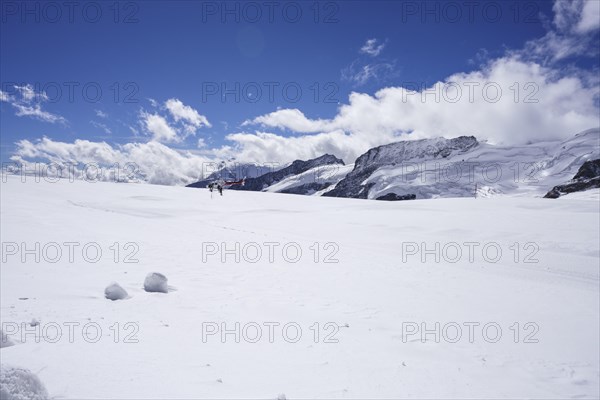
(156, 282)
(114, 291)
(20, 384)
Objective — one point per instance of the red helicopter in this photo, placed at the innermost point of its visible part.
(220, 184)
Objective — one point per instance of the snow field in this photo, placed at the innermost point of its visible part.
(381, 322)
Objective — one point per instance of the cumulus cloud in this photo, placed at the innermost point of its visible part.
(372, 47)
(27, 103)
(520, 97)
(181, 112)
(291, 119)
(159, 128)
(510, 101)
(265, 147)
(176, 125)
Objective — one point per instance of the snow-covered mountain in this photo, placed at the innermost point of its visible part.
(299, 177)
(432, 168)
(464, 167)
(314, 181)
(235, 171)
(385, 159)
(296, 168)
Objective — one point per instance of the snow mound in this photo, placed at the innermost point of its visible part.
(114, 291)
(156, 282)
(20, 384)
(5, 341)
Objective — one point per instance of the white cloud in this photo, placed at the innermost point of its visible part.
(590, 17)
(36, 112)
(551, 103)
(265, 147)
(566, 13)
(554, 47)
(481, 57)
(292, 119)
(101, 114)
(157, 162)
(576, 23)
(363, 69)
(99, 125)
(5, 97)
(159, 128)
(578, 16)
(28, 104)
(359, 74)
(133, 130)
(372, 48)
(29, 94)
(188, 120)
(565, 105)
(181, 112)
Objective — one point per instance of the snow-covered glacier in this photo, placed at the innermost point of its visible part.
(449, 298)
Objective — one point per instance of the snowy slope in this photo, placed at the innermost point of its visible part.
(323, 175)
(261, 183)
(377, 288)
(462, 166)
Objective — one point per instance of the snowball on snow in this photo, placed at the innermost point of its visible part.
(114, 291)
(20, 384)
(156, 282)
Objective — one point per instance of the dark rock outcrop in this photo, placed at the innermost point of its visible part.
(588, 177)
(397, 197)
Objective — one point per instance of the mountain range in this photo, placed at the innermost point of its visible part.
(434, 168)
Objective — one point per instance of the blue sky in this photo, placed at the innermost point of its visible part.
(142, 54)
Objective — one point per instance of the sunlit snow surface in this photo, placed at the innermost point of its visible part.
(372, 294)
